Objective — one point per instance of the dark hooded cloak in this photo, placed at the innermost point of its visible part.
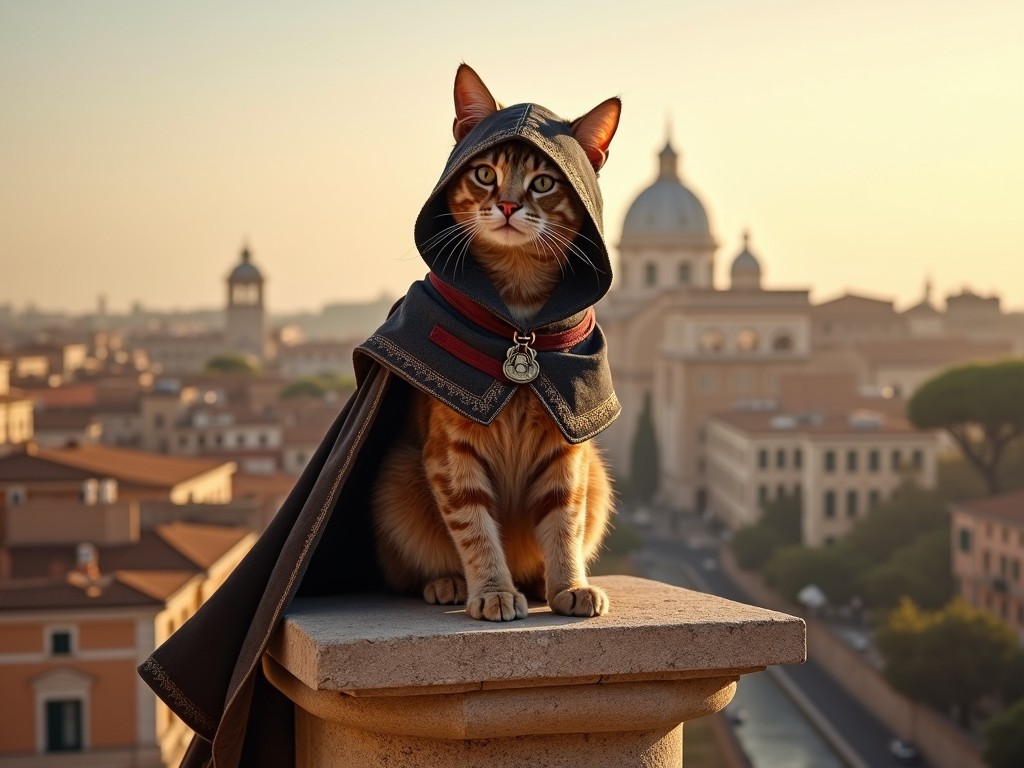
(321, 541)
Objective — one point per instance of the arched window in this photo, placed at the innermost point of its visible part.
(747, 340)
(712, 340)
(650, 274)
(782, 342)
(684, 273)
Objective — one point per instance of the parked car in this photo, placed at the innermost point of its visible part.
(904, 752)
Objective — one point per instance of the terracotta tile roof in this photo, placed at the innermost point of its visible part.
(138, 468)
(63, 418)
(53, 593)
(201, 544)
(852, 302)
(146, 572)
(943, 350)
(1006, 506)
(764, 422)
(158, 585)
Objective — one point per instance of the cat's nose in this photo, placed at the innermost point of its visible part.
(509, 208)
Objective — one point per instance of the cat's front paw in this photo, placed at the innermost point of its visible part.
(497, 606)
(446, 591)
(581, 601)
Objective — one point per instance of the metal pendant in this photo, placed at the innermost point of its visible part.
(521, 360)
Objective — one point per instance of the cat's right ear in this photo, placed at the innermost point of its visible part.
(473, 102)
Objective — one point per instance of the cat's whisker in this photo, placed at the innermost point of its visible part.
(575, 249)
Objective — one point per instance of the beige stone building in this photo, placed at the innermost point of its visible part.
(697, 350)
(16, 420)
(86, 594)
(694, 349)
(840, 462)
(988, 555)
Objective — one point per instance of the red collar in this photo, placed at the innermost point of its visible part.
(483, 317)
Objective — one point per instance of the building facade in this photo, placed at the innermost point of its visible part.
(988, 556)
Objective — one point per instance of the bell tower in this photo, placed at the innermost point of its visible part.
(246, 328)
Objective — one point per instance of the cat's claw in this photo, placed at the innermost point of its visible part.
(445, 591)
(497, 606)
(581, 601)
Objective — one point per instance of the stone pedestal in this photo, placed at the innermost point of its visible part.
(391, 681)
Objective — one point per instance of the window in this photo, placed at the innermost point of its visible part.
(782, 342)
(746, 340)
(897, 461)
(851, 461)
(650, 274)
(830, 461)
(684, 273)
(874, 461)
(873, 498)
(712, 340)
(762, 458)
(830, 504)
(707, 382)
(780, 491)
(60, 643)
(263, 439)
(158, 421)
(851, 503)
(64, 725)
(798, 458)
(780, 458)
(762, 494)
(986, 560)
(918, 459)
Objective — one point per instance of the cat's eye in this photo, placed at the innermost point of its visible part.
(542, 184)
(485, 175)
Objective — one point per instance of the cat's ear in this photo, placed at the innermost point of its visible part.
(594, 131)
(473, 102)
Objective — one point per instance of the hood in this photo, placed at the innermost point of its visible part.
(582, 286)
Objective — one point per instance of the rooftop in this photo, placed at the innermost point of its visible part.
(1006, 506)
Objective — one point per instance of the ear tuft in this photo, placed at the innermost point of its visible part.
(594, 131)
(473, 102)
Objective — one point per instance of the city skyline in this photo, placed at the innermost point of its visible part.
(867, 149)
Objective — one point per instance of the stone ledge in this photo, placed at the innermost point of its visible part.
(388, 645)
(381, 681)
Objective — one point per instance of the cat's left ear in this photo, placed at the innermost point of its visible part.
(594, 131)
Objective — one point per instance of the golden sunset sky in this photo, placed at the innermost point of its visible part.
(866, 145)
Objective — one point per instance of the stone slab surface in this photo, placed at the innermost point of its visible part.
(382, 643)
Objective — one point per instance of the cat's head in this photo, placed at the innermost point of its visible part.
(519, 198)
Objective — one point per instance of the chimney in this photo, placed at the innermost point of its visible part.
(90, 492)
(108, 491)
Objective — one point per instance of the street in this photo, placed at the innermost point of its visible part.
(856, 737)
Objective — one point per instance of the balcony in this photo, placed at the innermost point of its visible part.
(385, 680)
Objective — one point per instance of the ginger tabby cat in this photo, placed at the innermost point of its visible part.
(479, 513)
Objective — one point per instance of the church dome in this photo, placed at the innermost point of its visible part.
(746, 269)
(246, 272)
(667, 209)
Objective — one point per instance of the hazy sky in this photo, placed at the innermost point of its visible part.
(866, 145)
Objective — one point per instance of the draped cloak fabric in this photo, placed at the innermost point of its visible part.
(209, 672)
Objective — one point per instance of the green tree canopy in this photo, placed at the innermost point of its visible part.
(231, 363)
(318, 386)
(920, 571)
(779, 526)
(833, 569)
(1004, 738)
(981, 406)
(644, 459)
(950, 658)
